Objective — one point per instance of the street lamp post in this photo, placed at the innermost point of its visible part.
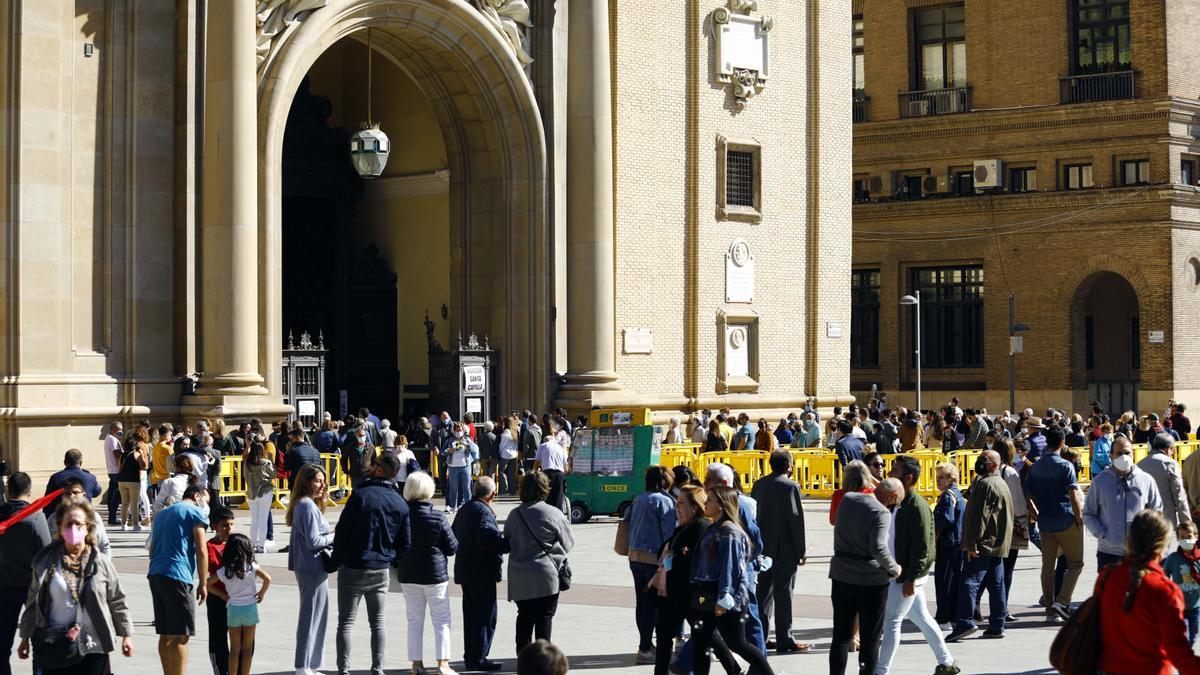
(1013, 329)
(915, 301)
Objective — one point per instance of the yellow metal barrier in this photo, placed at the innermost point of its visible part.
(1185, 449)
(819, 475)
(964, 461)
(680, 454)
(750, 465)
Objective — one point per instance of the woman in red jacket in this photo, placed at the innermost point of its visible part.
(1142, 630)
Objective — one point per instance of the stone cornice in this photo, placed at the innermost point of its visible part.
(1032, 202)
(991, 122)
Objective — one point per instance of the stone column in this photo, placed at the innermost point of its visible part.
(590, 332)
(229, 213)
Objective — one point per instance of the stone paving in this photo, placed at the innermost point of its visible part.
(594, 624)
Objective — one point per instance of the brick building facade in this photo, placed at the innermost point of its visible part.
(1043, 151)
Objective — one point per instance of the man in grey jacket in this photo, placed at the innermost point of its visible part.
(978, 430)
(1114, 498)
(1166, 473)
(861, 567)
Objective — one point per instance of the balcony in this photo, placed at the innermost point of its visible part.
(935, 102)
(1114, 86)
(862, 108)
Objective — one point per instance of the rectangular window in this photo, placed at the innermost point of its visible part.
(910, 187)
(860, 76)
(864, 319)
(941, 48)
(862, 189)
(951, 316)
(964, 183)
(1022, 179)
(1135, 172)
(1077, 176)
(1187, 171)
(1101, 37)
(739, 178)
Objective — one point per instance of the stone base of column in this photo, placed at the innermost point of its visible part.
(233, 407)
(592, 380)
(580, 392)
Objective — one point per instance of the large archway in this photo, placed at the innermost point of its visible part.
(495, 158)
(1106, 354)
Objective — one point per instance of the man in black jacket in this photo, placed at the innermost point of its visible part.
(298, 455)
(371, 533)
(481, 549)
(21, 543)
(72, 461)
(781, 521)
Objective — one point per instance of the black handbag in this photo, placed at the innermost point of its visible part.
(703, 601)
(58, 647)
(325, 555)
(564, 570)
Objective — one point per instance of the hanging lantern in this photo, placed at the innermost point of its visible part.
(369, 148)
(369, 151)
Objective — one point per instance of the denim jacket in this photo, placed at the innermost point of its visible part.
(722, 561)
(651, 522)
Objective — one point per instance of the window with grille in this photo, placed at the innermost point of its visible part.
(951, 316)
(739, 178)
(864, 319)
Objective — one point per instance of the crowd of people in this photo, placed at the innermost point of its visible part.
(712, 567)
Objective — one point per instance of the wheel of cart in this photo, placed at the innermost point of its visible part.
(580, 513)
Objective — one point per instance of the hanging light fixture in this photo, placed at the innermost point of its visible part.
(369, 147)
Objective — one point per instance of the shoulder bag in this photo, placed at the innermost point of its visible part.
(58, 647)
(621, 545)
(564, 570)
(1076, 648)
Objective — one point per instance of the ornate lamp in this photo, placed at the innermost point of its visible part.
(369, 147)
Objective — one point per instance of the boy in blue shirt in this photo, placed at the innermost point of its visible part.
(1183, 567)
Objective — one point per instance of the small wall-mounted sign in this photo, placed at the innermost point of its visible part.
(1156, 337)
(638, 341)
(833, 329)
(1016, 344)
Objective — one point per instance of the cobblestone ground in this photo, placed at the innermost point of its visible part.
(595, 618)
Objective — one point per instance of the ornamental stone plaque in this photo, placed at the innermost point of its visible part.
(742, 58)
(739, 273)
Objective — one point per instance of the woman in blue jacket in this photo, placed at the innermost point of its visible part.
(721, 570)
(651, 524)
(424, 577)
(947, 526)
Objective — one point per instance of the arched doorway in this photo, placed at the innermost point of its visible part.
(1108, 355)
(497, 282)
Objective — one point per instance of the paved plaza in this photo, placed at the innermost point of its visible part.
(594, 624)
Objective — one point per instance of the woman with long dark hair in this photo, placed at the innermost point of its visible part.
(237, 577)
(1142, 629)
(259, 473)
(721, 571)
(715, 440)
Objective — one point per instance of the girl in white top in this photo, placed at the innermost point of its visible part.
(241, 595)
(404, 455)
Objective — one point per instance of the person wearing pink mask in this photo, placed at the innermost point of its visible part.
(76, 593)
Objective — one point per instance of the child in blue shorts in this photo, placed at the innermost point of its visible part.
(238, 572)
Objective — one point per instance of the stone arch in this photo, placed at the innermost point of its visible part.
(496, 155)
(1084, 278)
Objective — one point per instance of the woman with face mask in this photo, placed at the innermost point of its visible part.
(76, 609)
(1102, 449)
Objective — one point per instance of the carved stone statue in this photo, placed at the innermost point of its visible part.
(511, 18)
(274, 17)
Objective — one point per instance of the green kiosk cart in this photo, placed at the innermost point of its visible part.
(608, 460)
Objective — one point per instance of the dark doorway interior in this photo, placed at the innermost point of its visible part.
(333, 284)
(1112, 341)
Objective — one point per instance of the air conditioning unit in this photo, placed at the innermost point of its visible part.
(935, 185)
(989, 173)
(882, 186)
(918, 107)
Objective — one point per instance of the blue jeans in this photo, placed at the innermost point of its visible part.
(11, 602)
(459, 486)
(479, 620)
(947, 577)
(754, 635)
(984, 571)
(1104, 559)
(645, 611)
(1192, 617)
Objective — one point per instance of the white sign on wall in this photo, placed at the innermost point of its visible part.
(739, 273)
(833, 329)
(638, 340)
(1155, 337)
(474, 379)
(737, 351)
(474, 405)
